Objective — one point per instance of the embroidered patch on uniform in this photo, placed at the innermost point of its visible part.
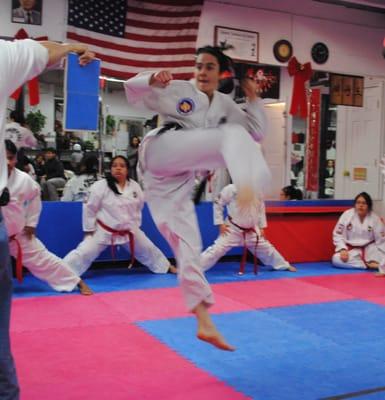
(135, 195)
(349, 227)
(370, 228)
(185, 106)
(340, 229)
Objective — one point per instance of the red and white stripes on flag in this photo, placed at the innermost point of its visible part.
(159, 34)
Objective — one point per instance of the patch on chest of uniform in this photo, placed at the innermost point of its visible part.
(185, 106)
(349, 227)
(134, 195)
(340, 229)
(370, 228)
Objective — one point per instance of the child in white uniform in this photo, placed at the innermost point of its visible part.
(77, 188)
(233, 234)
(112, 215)
(21, 217)
(203, 130)
(359, 237)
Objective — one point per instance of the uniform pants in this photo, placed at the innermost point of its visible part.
(50, 188)
(9, 388)
(355, 261)
(169, 162)
(45, 265)
(264, 250)
(89, 249)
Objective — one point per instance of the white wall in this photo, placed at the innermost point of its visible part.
(353, 48)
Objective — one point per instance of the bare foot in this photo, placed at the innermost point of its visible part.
(84, 289)
(207, 330)
(372, 265)
(380, 274)
(172, 269)
(292, 268)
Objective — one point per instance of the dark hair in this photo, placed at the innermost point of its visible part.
(17, 117)
(225, 62)
(50, 149)
(10, 146)
(87, 165)
(111, 181)
(292, 193)
(368, 200)
(132, 140)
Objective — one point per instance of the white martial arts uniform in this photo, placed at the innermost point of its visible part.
(214, 135)
(365, 241)
(119, 213)
(77, 188)
(24, 210)
(254, 241)
(20, 136)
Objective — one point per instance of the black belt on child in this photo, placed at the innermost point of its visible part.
(168, 126)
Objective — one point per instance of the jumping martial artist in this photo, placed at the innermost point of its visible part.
(21, 216)
(233, 234)
(112, 215)
(203, 129)
(359, 237)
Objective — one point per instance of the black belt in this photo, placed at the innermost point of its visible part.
(168, 126)
(4, 197)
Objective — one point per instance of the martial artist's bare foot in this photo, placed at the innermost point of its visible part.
(207, 330)
(292, 268)
(84, 288)
(172, 269)
(372, 265)
(380, 274)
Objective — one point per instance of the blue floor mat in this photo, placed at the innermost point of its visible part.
(117, 279)
(276, 359)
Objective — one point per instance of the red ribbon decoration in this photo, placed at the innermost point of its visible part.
(33, 84)
(301, 73)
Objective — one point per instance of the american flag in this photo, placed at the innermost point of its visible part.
(131, 36)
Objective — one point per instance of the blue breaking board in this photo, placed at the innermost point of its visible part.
(81, 95)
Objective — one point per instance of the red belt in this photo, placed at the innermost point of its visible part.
(245, 231)
(119, 233)
(19, 258)
(362, 248)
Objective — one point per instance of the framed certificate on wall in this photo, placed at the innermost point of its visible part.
(238, 44)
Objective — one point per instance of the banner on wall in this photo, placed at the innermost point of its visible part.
(312, 146)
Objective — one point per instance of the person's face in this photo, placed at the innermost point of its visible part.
(330, 163)
(11, 161)
(282, 196)
(27, 4)
(119, 169)
(361, 207)
(49, 155)
(135, 141)
(207, 73)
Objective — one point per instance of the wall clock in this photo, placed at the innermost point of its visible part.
(283, 50)
(320, 53)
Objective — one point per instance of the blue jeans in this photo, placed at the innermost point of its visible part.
(9, 388)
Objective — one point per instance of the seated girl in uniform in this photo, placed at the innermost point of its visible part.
(359, 237)
(233, 234)
(112, 215)
(21, 216)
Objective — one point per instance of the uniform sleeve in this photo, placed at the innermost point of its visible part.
(253, 119)
(92, 206)
(262, 221)
(33, 205)
(338, 233)
(222, 200)
(21, 61)
(379, 233)
(139, 93)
